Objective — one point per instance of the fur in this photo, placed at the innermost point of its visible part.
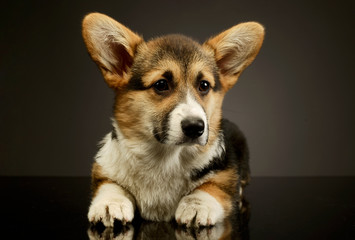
(170, 154)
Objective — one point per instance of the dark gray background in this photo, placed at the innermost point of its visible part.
(295, 103)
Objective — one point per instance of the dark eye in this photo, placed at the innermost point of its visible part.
(204, 87)
(161, 85)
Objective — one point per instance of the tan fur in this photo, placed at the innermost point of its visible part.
(228, 230)
(157, 73)
(132, 108)
(222, 197)
(97, 178)
(227, 177)
(222, 186)
(213, 108)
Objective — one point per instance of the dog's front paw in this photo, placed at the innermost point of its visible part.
(199, 209)
(107, 211)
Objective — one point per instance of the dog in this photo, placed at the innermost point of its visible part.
(170, 154)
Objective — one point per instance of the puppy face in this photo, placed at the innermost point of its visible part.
(169, 89)
(174, 93)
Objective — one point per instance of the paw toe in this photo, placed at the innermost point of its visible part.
(199, 209)
(108, 212)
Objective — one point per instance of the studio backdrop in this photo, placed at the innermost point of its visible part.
(295, 103)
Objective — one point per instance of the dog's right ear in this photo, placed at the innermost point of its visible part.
(235, 49)
(111, 45)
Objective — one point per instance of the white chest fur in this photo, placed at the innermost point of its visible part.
(156, 179)
(157, 176)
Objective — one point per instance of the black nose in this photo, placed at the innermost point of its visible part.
(193, 127)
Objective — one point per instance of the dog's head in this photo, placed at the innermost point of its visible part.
(169, 89)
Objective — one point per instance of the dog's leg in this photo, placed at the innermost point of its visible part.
(209, 203)
(111, 202)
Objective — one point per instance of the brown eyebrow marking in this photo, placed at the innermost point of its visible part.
(199, 76)
(168, 75)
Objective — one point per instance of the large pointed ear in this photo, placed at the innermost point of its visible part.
(234, 49)
(111, 45)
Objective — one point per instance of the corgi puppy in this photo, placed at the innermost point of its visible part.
(170, 154)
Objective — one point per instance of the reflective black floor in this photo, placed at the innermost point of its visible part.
(275, 208)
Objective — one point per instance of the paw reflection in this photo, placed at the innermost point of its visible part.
(219, 231)
(159, 230)
(235, 227)
(118, 232)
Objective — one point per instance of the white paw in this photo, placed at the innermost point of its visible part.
(110, 210)
(199, 209)
(111, 204)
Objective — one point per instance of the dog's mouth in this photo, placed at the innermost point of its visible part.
(181, 137)
(189, 142)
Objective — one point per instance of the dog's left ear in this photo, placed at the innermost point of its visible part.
(234, 49)
(111, 45)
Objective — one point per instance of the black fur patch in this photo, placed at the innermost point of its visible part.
(218, 85)
(114, 134)
(136, 83)
(236, 149)
(157, 135)
(199, 77)
(216, 164)
(162, 135)
(165, 127)
(168, 75)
